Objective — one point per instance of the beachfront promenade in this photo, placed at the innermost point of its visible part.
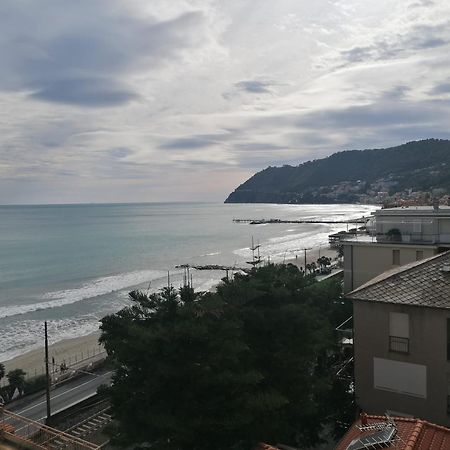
(75, 354)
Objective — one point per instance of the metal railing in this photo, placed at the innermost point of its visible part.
(35, 435)
(398, 344)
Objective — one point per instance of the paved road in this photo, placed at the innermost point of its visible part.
(63, 396)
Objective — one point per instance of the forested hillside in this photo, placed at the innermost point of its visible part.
(354, 176)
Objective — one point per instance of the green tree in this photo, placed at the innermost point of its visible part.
(2, 371)
(182, 380)
(224, 370)
(324, 262)
(16, 380)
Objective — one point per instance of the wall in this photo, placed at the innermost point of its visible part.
(428, 347)
(364, 261)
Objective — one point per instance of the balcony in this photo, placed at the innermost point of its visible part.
(398, 344)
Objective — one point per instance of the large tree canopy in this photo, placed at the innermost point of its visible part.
(225, 370)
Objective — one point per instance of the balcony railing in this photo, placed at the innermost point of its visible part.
(398, 344)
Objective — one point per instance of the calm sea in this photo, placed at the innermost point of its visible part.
(72, 264)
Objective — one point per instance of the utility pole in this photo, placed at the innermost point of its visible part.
(47, 372)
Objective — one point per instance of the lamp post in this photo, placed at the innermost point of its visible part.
(47, 372)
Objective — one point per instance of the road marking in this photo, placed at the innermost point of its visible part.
(62, 393)
(68, 406)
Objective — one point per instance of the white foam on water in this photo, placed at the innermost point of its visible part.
(211, 254)
(313, 235)
(24, 336)
(21, 336)
(92, 289)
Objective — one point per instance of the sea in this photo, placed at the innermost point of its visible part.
(71, 265)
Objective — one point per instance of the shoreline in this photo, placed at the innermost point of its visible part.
(312, 255)
(73, 350)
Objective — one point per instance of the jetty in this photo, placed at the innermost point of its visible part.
(332, 222)
(212, 267)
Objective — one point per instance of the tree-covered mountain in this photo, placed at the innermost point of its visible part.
(419, 167)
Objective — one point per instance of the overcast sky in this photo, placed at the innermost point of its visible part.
(168, 100)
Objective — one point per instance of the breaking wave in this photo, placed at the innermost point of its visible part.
(95, 288)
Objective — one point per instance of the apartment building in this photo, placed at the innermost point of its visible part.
(397, 236)
(401, 341)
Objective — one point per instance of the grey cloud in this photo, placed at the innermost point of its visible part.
(80, 52)
(187, 143)
(396, 93)
(120, 152)
(443, 88)
(420, 37)
(422, 4)
(248, 87)
(85, 92)
(308, 139)
(253, 86)
(257, 146)
(375, 115)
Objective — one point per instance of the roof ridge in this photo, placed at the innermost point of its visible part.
(414, 435)
(392, 272)
(435, 425)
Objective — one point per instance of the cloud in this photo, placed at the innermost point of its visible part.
(441, 88)
(120, 152)
(381, 114)
(91, 92)
(253, 87)
(141, 101)
(83, 59)
(187, 143)
(419, 37)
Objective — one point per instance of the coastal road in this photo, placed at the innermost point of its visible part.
(62, 396)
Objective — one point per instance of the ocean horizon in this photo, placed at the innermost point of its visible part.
(71, 264)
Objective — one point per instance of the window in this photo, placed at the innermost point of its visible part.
(417, 227)
(400, 377)
(396, 257)
(419, 255)
(399, 332)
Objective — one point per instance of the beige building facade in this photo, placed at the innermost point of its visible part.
(364, 259)
(402, 341)
(397, 236)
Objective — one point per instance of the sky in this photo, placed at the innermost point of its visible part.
(183, 100)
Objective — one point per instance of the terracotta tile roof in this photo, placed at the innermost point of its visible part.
(422, 283)
(412, 434)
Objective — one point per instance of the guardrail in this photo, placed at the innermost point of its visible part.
(33, 435)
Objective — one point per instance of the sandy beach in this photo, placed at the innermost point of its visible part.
(312, 255)
(82, 348)
(72, 351)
